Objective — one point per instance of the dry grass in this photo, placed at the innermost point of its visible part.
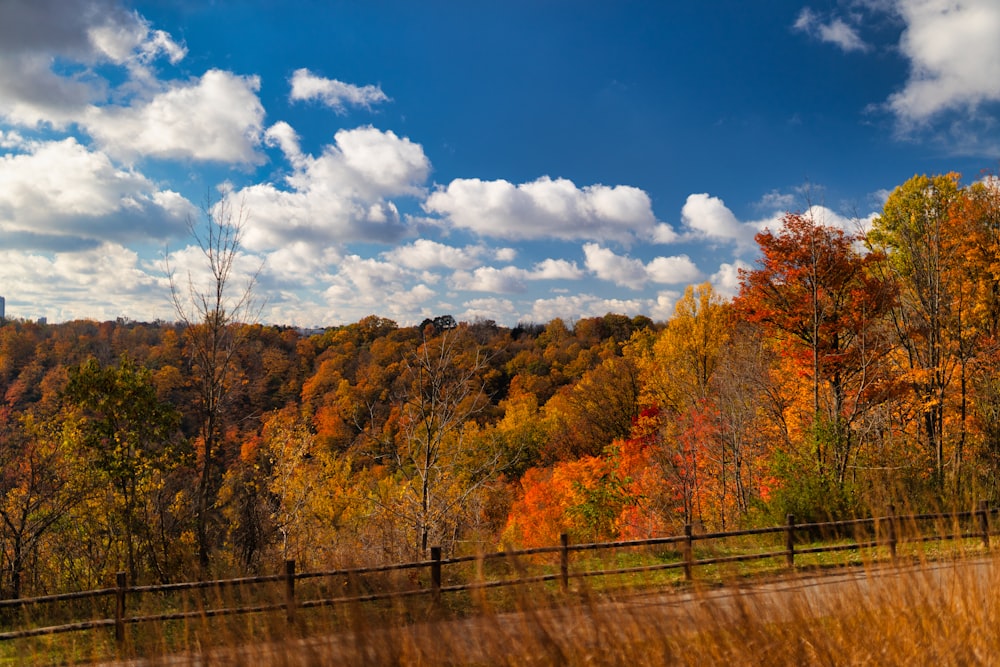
(935, 613)
(929, 609)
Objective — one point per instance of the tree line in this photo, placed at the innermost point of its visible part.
(853, 369)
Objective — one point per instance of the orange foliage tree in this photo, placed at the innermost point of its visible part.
(816, 297)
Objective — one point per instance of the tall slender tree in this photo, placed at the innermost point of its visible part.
(914, 233)
(814, 290)
(442, 462)
(213, 311)
(129, 433)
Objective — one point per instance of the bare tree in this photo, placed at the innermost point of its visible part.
(443, 463)
(213, 312)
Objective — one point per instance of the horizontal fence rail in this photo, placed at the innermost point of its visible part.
(850, 535)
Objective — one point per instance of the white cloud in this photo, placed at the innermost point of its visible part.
(508, 280)
(188, 266)
(708, 217)
(340, 196)
(777, 201)
(425, 254)
(954, 54)
(124, 41)
(512, 279)
(217, 118)
(335, 94)
(673, 270)
(365, 286)
(282, 135)
(30, 94)
(662, 309)
(821, 215)
(556, 269)
(726, 281)
(387, 164)
(664, 233)
(505, 254)
(101, 283)
(545, 208)
(834, 31)
(830, 218)
(300, 264)
(620, 270)
(12, 139)
(488, 309)
(572, 308)
(60, 195)
(632, 273)
(34, 33)
(370, 276)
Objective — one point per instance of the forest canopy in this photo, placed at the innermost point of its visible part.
(853, 369)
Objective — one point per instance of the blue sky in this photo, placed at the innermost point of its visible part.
(513, 161)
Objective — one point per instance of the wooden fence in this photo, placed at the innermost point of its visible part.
(887, 531)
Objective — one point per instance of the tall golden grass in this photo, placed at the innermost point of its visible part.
(935, 604)
(934, 613)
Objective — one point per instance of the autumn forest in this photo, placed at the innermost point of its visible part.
(852, 370)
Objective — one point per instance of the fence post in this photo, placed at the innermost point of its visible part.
(121, 586)
(436, 574)
(688, 552)
(790, 541)
(290, 590)
(892, 531)
(984, 522)
(564, 562)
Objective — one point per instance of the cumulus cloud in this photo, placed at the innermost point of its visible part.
(954, 56)
(662, 308)
(672, 270)
(952, 49)
(133, 42)
(50, 53)
(335, 94)
(90, 31)
(188, 266)
(833, 31)
(103, 282)
(709, 217)
(59, 195)
(300, 264)
(87, 32)
(512, 279)
(664, 233)
(556, 269)
(545, 208)
(726, 281)
(507, 280)
(365, 286)
(633, 273)
(282, 135)
(425, 254)
(572, 308)
(30, 94)
(821, 215)
(371, 276)
(342, 195)
(607, 265)
(216, 118)
(488, 309)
